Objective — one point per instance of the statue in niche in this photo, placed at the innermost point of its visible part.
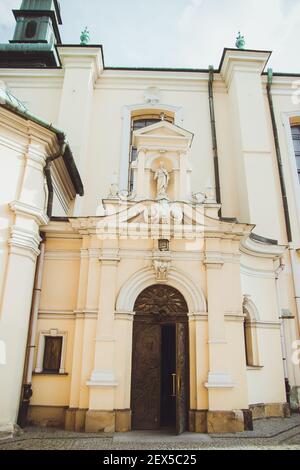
(162, 178)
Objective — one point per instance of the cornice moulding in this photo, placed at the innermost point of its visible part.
(264, 250)
(26, 210)
(82, 57)
(243, 61)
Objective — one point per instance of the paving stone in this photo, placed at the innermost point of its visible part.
(268, 434)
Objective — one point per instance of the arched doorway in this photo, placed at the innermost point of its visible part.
(160, 360)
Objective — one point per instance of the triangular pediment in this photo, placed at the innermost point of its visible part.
(164, 129)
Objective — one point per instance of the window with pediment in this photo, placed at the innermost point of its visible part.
(140, 121)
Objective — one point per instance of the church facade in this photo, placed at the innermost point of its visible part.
(150, 238)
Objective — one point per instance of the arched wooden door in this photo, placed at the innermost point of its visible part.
(160, 360)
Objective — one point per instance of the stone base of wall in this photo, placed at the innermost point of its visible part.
(198, 421)
(100, 421)
(47, 416)
(270, 410)
(123, 420)
(295, 399)
(222, 422)
(75, 420)
(203, 421)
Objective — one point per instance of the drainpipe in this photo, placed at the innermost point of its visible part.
(48, 176)
(279, 160)
(214, 135)
(278, 271)
(31, 341)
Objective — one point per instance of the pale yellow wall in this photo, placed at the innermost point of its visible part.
(113, 91)
(54, 389)
(250, 191)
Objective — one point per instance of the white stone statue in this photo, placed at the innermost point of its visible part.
(162, 177)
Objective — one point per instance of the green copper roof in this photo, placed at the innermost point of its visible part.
(39, 5)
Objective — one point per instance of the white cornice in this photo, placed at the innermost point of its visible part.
(243, 61)
(23, 209)
(254, 248)
(24, 242)
(79, 57)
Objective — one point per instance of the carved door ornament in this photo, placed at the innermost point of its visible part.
(160, 301)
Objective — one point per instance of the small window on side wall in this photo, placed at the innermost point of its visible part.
(52, 354)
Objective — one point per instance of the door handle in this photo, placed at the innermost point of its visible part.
(173, 385)
(179, 385)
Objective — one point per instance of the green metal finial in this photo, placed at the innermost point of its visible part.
(270, 76)
(240, 41)
(85, 37)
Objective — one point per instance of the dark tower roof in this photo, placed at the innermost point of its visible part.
(35, 37)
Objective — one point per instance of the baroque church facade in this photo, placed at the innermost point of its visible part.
(149, 240)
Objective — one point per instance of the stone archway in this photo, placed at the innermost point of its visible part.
(160, 360)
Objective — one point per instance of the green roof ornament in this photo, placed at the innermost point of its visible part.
(85, 37)
(240, 41)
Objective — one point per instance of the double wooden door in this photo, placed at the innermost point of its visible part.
(160, 379)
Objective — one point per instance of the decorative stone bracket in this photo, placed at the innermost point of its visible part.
(161, 266)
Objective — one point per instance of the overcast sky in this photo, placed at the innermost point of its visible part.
(177, 33)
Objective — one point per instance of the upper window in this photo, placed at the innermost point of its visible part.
(296, 141)
(139, 122)
(30, 30)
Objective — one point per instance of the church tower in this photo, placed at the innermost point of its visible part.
(36, 34)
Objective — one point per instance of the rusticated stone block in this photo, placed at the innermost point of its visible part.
(100, 421)
(123, 420)
(201, 421)
(220, 422)
(70, 419)
(191, 420)
(274, 410)
(80, 420)
(258, 411)
(47, 416)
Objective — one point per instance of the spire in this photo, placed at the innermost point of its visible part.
(36, 34)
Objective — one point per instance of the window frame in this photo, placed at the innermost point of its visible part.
(296, 152)
(39, 369)
(290, 118)
(128, 112)
(150, 117)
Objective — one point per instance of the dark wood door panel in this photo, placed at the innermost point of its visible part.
(182, 387)
(145, 395)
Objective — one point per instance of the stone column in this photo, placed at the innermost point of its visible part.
(71, 422)
(183, 177)
(26, 215)
(82, 67)
(140, 183)
(123, 331)
(226, 384)
(257, 176)
(101, 414)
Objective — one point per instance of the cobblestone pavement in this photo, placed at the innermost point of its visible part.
(273, 433)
